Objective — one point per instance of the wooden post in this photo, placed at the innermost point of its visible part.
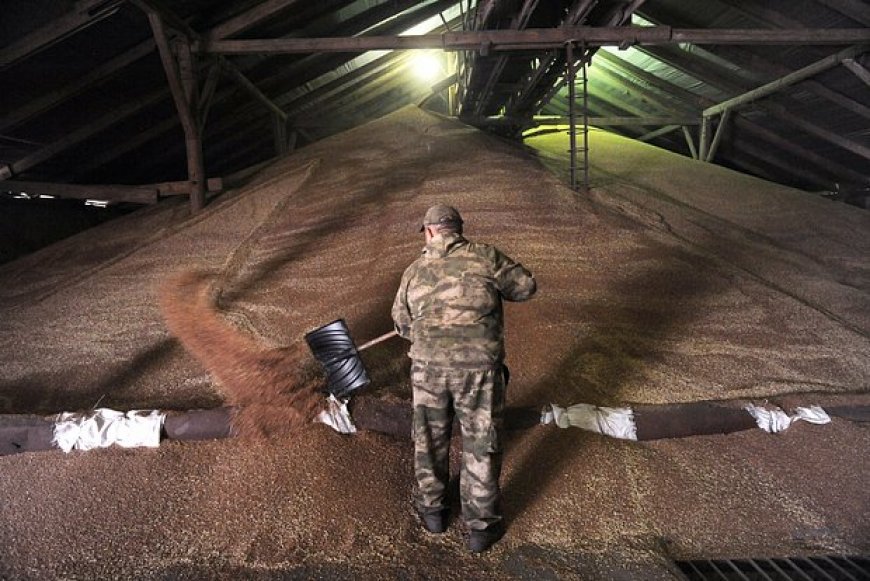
(183, 87)
(279, 127)
(690, 142)
(704, 138)
(720, 129)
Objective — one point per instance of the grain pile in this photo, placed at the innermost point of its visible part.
(652, 290)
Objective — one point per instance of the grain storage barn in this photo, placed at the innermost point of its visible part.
(188, 188)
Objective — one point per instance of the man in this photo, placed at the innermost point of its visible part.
(449, 305)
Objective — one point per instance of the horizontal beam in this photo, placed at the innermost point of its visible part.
(111, 193)
(83, 14)
(616, 121)
(540, 38)
(787, 80)
(609, 121)
(183, 188)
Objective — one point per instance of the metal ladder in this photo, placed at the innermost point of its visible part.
(572, 80)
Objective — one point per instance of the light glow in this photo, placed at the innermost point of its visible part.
(427, 66)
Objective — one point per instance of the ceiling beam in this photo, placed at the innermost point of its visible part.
(111, 193)
(858, 70)
(825, 165)
(788, 80)
(857, 10)
(81, 134)
(250, 18)
(84, 14)
(747, 54)
(786, 115)
(607, 121)
(540, 38)
(96, 75)
(519, 22)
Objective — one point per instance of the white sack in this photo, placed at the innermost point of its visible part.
(614, 422)
(775, 420)
(336, 416)
(103, 427)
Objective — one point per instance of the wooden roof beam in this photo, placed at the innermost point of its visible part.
(110, 193)
(93, 77)
(519, 22)
(858, 70)
(603, 121)
(81, 134)
(786, 81)
(540, 38)
(85, 13)
(250, 18)
(825, 164)
(857, 10)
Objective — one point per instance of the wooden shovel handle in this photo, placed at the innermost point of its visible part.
(377, 340)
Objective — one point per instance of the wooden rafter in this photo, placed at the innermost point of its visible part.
(250, 18)
(857, 10)
(815, 87)
(858, 70)
(554, 80)
(539, 38)
(786, 81)
(824, 164)
(81, 134)
(85, 13)
(111, 193)
(93, 77)
(519, 22)
(311, 66)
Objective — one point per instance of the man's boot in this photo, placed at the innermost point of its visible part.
(434, 522)
(481, 540)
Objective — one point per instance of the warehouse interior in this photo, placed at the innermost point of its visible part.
(689, 182)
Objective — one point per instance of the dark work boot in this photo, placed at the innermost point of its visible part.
(434, 522)
(481, 540)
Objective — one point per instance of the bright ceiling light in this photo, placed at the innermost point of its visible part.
(427, 66)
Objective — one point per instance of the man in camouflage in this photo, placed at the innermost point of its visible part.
(449, 305)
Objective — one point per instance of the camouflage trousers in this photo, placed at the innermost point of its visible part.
(476, 398)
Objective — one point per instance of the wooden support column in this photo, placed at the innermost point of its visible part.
(690, 142)
(704, 138)
(183, 87)
(207, 94)
(723, 120)
(659, 132)
(279, 126)
(858, 70)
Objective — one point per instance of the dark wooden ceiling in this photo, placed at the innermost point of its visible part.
(86, 100)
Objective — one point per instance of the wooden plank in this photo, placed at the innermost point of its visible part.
(233, 71)
(825, 164)
(250, 18)
(787, 80)
(858, 70)
(50, 100)
(111, 193)
(857, 10)
(538, 38)
(608, 121)
(662, 131)
(185, 99)
(85, 13)
(85, 131)
(834, 137)
(183, 188)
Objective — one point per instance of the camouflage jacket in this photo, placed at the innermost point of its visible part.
(449, 303)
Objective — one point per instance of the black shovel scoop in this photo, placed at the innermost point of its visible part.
(333, 347)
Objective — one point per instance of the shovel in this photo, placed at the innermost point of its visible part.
(333, 347)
